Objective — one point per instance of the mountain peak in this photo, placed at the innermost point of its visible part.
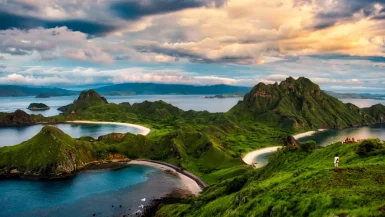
(91, 94)
(297, 104)
(85, 100)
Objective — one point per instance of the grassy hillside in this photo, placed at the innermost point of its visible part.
(299, 183)
(297, 105)
(377, 112)
(50, 153)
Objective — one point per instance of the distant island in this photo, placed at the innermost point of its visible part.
(356, 95)
(38, 107)
(43, 95)
(223, 96)
(164, 89)
(42, 92)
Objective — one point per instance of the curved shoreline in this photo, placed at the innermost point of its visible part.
(143, 130)
(249, 157)
(190, 181)
(308, 133)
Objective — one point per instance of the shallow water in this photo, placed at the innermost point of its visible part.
(16, 135)
(263, 159)
(93, 192)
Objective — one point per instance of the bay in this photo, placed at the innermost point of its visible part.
(103, 193)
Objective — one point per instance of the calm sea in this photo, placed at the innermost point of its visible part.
(103, 193)
(184, 102)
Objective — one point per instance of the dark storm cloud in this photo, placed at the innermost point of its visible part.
(9, 20)
(133, 9)
(343, 11)
(376, 59)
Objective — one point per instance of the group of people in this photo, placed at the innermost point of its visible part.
(350, 140)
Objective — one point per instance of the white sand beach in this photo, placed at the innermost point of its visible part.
(143, 130)
(308, 133)
(189, 183)
(249, 157)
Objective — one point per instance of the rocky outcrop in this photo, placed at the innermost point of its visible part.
(291, 142)
(18, 117)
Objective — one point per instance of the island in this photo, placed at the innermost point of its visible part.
(38, 107)
(300, 179)
(43, 95)
(223, 96)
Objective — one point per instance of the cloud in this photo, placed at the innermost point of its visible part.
(52, 43)
(331, 13)
(132, 9)
(43, 76)
(28, 22)
(32, 80)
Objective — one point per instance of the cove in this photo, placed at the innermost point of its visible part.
(330, 136)
(92, 192)
(15, 135)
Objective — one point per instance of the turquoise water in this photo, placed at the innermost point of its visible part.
(15, 135)
(93, 192)
(328, 137)
(185, 102)
(263, 159)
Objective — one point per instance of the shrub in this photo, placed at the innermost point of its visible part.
(369, 147)
(308, 146)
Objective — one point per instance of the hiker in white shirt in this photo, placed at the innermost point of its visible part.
(336, 160)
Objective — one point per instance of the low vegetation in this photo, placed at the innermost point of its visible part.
(297, 182)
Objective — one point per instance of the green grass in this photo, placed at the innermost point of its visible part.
(298, 183)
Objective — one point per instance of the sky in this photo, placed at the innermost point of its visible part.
(338, 44)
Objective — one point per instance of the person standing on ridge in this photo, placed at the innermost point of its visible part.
(336, 161)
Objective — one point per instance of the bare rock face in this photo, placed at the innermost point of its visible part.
(291, 142)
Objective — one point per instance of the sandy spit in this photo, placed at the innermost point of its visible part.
(308, 133)
(249, 157)
(189, 183)
(143, 130)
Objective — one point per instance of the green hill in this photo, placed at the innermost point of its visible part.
(297, 105)
(50, 153)
(299, 183)
(85, 100)
(377, 112)
(38, 107)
